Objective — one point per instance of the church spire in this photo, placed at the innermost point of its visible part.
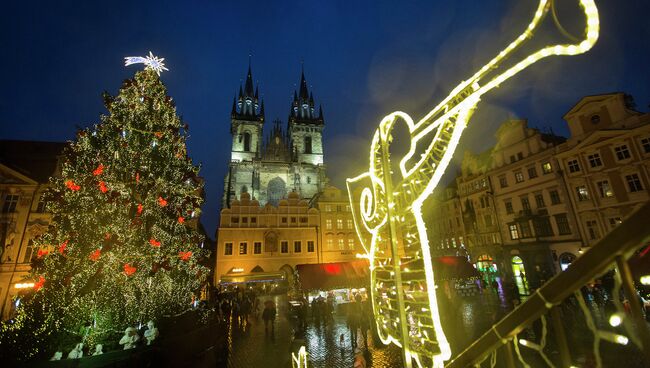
(302, 106)
(248, 100)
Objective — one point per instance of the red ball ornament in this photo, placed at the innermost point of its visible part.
(41, 253)
(99, 170)
(72, 186)
(140, 207)
(102, 187)
(39, 284)
(94, 256)
(63, 246)
(181, 219)
(162, 202)
(129, 270)
(154, 242)
(185, 255)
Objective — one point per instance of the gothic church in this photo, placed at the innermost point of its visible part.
(291, 159)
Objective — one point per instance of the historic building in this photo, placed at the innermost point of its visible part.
(338, 236)
(25, 169)
(532, 203)
(288, 159)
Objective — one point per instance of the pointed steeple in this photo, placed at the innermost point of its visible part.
(248, 90)
(320, 112)
(234, 106)
(247, 101)
(302, 106)
(304, 93)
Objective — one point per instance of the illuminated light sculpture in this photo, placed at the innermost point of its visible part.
(388, 217)
(151, 62)
(300, 360)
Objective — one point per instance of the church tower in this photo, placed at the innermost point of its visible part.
(305, 126)
(246, 122)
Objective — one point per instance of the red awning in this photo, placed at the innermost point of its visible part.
(339, 275)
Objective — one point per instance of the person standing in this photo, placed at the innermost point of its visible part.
(268, 315)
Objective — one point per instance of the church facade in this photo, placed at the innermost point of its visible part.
(288, 159)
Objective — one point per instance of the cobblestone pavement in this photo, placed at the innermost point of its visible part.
(250, 346)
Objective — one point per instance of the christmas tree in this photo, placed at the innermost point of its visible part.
(122, 247)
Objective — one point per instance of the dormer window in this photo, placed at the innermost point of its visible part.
(595, 119)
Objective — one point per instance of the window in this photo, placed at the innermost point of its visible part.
(539, 200)
(244, 220)
(303, 220)
(339, 223)
(338, 208)
(622, 152)
(328, 224)
(235, 219)
(341, 244)
(488, 220)
(543, 227)
(350, 224)
(582, 192)
(11, 200)
(307, 144)
(512, 159)
(509, 209)
(351, 243)
(297, 247)
(503, 181)
(253, 220)
(594, 160)
(592, 230)
(514, 233)
(595, 119)
(310, 246)
(525, 230)
(573, 166)
(555, 197)
(562, 223)
(257, 248)
(525, 204)
(330, 244)
(309, 180)
(519, 176)
(645, 143)
(615, 221)
(284, 246)
(284, 220)
(41, 206)
(520, 156)
(347, 208)
(293, 220)
(532, 172)
(243, 248)
(227, 249)
(604, 190)
(247, 142)
(547, 168)
(633, 183)
(328, 208)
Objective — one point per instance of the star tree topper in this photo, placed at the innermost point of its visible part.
(152, 62)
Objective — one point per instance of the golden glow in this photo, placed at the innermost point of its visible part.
(645, 279)
(24, 285)
(237, 270)
(615, 320)
(299, 361)
(402, 277)
(613, 337)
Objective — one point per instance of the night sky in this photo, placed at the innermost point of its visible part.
(362, 60)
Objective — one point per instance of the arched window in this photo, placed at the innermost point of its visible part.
(276, 190)
(307, 144)
(247, 142)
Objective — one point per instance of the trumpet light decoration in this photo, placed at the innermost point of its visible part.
(387, 206)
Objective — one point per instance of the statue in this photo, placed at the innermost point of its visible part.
(130, 338)
(151, 333)
(57, 356)
(99, 349)
(77, 352)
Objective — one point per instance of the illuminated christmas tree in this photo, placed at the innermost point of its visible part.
(122, 247)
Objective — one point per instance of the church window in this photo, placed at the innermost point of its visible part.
(330, 244)
(307, 144)
(247, 142)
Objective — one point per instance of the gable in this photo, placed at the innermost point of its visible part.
(11, 176)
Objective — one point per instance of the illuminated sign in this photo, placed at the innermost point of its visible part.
(388, 216)
(237, 270)
(24, 285)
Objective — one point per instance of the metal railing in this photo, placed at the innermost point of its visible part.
(613, 251)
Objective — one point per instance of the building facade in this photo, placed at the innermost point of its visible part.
(25, 169)
(288, 159)
(338, 236)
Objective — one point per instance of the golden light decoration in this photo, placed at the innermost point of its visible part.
(300, 360)
(388, 217)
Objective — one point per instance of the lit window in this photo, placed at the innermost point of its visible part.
(622, 152)
(339, 223)
(351, 243)
(330, 244)
(328, 208)
(604, 189)
(341, 244)
(514, 232)
(573, 166)
(243, 248)
(594, 160)
(350, 224)
(615, 221)
(582, 193)
(228, 249)
(519, 176)
(547, 168)
(328, 224)
(634, 183)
